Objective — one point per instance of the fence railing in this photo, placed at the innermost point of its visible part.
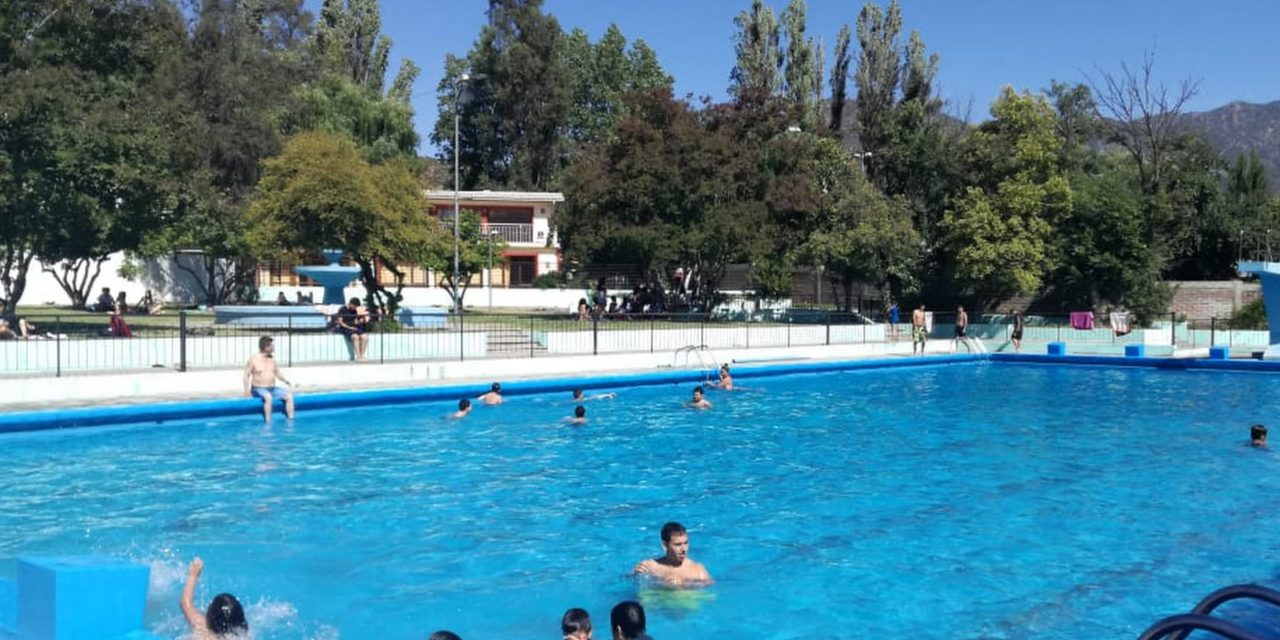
(60, 344)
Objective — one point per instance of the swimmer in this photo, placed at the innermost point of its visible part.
(579, 397)
(698, 402)
(576, 625)
(225, 616)
(464, 409)
(675, 567)
(260, 375)
(494, 396)
(726, 380)
(579, 415)
(627, 621)
(1258, 436)
(443, 635)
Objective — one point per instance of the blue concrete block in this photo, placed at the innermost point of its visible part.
(80, 597)
(8, 608)
(1135, 351)
(1219, 353)
(1057, 348)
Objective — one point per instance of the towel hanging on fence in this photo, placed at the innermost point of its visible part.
(1120, 323)
(1082, 320)
(928, 322)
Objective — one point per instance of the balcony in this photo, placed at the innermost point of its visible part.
(511, 233)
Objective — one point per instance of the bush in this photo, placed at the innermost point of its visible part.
(1250, 316)
(553, 280)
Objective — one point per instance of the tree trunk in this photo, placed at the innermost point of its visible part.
(14, 262)
(77, 277)
(847, 284)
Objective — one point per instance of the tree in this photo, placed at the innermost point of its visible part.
(802, 80)
(759, 53)
(661, 192)
(876, 78)
(86, 135)
(856, 233)
(382, 126)
(320, 193)
(1141, 115)
(242, 63)
(840, 79)
(475, 253)
(601, 75)
(349, 43)
(512, 118)
(999, 231)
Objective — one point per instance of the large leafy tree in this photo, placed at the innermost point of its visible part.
(661, 192)
(321, 192)
(999, 231)
(86, 134)
(515, 107)
(242, 63)
(601, 75)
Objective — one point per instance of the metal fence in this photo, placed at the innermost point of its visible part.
(63, 344)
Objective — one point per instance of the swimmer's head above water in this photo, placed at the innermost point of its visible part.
(225, 616)
(580, 412)
(675, 541)
(627, 620)
(1258, 435)
(576, 624)
(577, 394)
(495, 388)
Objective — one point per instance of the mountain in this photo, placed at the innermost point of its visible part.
(1235, 128)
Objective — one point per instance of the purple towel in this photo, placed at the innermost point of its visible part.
(1082, 320)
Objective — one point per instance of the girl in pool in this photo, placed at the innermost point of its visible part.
(223, 619)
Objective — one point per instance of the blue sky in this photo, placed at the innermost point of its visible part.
(983, 44)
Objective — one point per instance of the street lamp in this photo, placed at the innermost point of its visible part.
(457, 215)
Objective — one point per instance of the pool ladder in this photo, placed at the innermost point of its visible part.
(1180, 626)
(703, 353)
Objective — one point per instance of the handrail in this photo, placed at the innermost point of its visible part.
(1188, 622)
(1227, 594)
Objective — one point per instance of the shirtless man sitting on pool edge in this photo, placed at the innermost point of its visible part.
(260, 376)
(675, 567)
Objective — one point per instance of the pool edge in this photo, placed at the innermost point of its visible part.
(158, 413)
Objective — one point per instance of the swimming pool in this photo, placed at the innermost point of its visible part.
(985, 500)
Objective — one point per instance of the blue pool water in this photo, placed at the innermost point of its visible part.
(962, 501)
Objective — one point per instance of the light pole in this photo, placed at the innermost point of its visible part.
(457, 215)
(489, 271)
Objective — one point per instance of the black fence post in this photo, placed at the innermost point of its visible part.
(288, 336)
(828, 314)
(1173, 328)
(1213, 331)
(382, 340)
(531, 342)
(462, 337)
(182, 340)
(652, 331)
(702, 330)
(595, 334)
(57, 336)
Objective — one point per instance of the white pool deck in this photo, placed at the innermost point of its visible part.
(124, 388)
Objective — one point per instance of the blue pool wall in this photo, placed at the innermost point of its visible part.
(201, 409)
(223, 407)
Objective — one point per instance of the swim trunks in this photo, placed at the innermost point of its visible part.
(918, 334)
(960, 331)
(1017, 334)
(276, 393)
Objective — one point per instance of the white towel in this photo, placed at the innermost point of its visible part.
(1120, 322)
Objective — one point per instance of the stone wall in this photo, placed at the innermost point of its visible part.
(1213, 299)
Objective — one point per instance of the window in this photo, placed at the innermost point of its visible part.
(523, 269)
(414, 276)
